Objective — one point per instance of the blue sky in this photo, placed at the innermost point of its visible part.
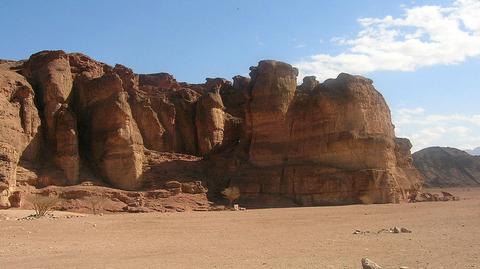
(424, 56)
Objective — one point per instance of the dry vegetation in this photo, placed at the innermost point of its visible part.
(231, 194)
(42, 204)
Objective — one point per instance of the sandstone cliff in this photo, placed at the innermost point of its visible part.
(19, 127)
(281, 144)
(447, 167)
(325, 143)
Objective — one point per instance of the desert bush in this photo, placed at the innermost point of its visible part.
(42, 204)
(95, 202)
(231, 194)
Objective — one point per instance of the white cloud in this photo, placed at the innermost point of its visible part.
(423, 36)
(426, 130)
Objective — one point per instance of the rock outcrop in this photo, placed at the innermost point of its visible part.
(19, 127)
(110, 132)
(447, 167)
(328, 145)
(281, 144)
(50, 74)
(210, 121)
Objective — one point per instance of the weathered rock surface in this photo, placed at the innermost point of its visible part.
(50, 74)
(78, 199)
(210, 121)
(19, 127)
(274, 84)
(111, 134)
(447, 167)
(318, 143)
(328, 145)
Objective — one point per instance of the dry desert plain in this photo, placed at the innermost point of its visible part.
(444, 235)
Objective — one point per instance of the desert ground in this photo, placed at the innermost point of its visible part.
(444, 235)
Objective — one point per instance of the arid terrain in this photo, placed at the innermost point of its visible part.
(226, 134)
(444, 235)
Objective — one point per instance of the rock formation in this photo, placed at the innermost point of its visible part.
(281, 144)
(447, 167)
(328, 145)
(210, 121)
(111, 134)
(50, 74)
(19, 127)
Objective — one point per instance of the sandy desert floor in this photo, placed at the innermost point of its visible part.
(445, 235)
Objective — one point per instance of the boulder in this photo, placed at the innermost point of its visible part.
(368, 264)
(193, 187)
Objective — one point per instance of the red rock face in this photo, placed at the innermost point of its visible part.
(273, 90)
(51, 75)
(111, 134)
(333, 143)
(19, 127)
(318, 143)
(210, 121)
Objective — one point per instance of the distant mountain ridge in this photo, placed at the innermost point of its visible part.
(447, 167)
(475, 151)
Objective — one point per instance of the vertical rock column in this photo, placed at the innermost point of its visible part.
(49, 73)
(210, 121)
(66, 144)
(115, 143)
(274, 85)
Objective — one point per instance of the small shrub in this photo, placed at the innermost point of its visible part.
(95, 202)
(42, 204)
(231, 194)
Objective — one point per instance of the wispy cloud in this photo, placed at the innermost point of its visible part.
(423, 36)
(425, 130)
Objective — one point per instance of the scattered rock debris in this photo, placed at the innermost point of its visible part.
(432, 197)
(368, 264)
(48, 216)
(395, 230)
